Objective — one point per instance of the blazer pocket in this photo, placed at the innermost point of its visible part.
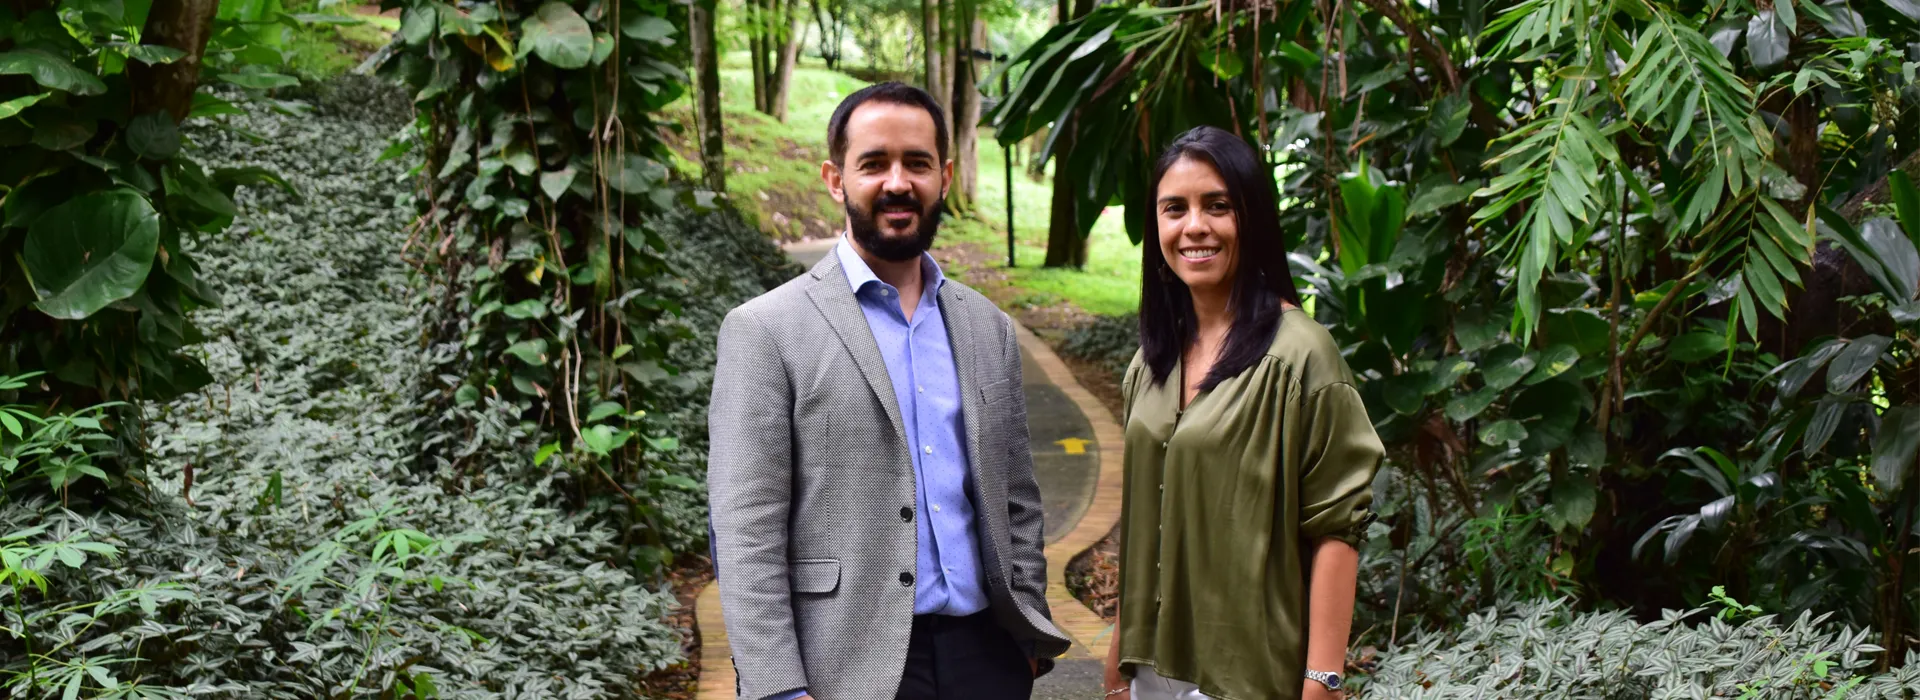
(814, 575)
(998, 392)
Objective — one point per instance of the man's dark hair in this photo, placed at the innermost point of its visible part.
(892, 93)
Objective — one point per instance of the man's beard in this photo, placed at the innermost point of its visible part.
(866, 231)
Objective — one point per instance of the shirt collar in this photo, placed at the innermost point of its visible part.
(859, 274)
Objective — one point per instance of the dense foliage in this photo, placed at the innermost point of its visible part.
(101, 196)
(1630, 285)
(317, 551)
(307, 558)
(540, 162)
(1543, 650)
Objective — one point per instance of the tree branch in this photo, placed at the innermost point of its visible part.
(1482, 114)
(1876, 193)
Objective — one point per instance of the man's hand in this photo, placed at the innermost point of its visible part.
(1315, 691)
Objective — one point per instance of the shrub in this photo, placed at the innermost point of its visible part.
(1108, 340)
(1544, 650)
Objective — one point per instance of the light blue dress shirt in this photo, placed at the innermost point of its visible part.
(926, 387)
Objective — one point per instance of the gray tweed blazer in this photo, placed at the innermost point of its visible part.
(811, 483)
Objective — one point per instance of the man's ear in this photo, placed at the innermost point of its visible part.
(830, 174)
(946, 178)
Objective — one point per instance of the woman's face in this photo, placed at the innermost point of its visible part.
(1198, 232)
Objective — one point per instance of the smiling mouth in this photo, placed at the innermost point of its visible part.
(1198, 254)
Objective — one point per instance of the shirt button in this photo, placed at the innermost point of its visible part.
(920, 389)
(906, 579)
(1163, 444)
(936, 507)
(927, 448)
(906, 514)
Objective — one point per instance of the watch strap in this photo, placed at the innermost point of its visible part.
(1329, 679)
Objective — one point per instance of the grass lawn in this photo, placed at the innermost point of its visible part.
(775, 177)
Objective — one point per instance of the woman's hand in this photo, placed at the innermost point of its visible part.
(1113, 680)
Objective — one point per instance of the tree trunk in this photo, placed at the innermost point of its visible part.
(966, 108)
(706, 70)
(168, 87)
(930, 36)
(1065, 246)
(757, 49)
(943, 10)
(793, 28)
(828, 50)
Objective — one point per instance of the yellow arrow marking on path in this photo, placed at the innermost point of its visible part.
(1074, 446)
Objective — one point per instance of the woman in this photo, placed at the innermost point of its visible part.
(1249, 456)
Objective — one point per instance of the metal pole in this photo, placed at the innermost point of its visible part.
(1008, 161)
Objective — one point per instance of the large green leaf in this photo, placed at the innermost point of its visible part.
(559, 36)
(1465, 406)
(1475, 329)
(1897, 253)
(638, 175)
(417, 24)
(1767, 37)
(1551, 410)
(1584, 329)
(1854, 362)
(154, 135)
(1503, 432)
(50, 71)
(556, 182)
(1906, 198)
(1795, 373)
(1697, 346)
(646, 27)
(1506, 365)
(1553, 362)
(1895, 447)
(1573, 501)
(62, 133)
(91, 251)
(19, 104)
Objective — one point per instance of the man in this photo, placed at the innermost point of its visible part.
(875, 515)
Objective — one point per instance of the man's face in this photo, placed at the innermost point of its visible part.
(892, 182)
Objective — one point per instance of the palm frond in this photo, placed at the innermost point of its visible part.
(1677, 81)
(1554, 166)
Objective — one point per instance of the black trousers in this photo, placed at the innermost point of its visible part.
(964, 658)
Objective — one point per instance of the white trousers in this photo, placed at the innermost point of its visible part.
(1148, 685)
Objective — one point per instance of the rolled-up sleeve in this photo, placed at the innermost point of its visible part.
(1336, 476)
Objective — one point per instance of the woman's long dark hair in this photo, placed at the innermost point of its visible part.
(1261, 280)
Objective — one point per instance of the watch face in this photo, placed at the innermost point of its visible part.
(1333, 681)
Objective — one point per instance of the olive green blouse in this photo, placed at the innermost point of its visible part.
(1222, 499)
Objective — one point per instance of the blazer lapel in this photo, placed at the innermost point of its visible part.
(834, 298)
(966, 343)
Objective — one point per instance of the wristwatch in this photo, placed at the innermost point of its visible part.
(1329, 679)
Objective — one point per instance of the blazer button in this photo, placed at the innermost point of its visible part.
(906, 579)
(906, 514)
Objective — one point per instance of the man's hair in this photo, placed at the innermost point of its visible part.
(890, 93)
